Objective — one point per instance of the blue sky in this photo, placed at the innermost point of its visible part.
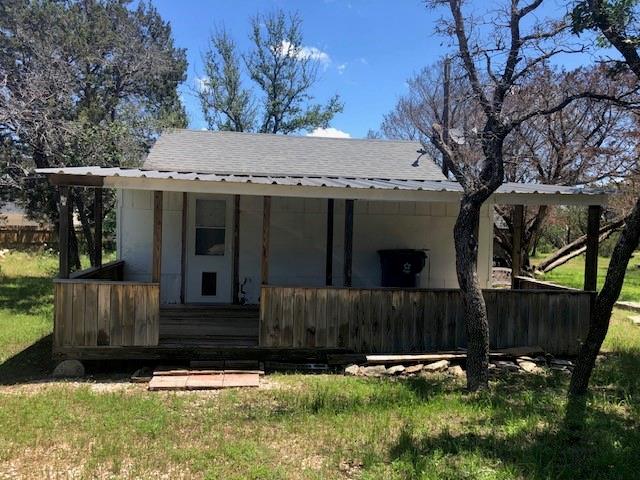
(371, 47)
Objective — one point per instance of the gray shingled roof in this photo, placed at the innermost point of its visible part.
(278, 155)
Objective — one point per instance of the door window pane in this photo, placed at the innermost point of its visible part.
(209, 241)
(210, 226)
(210, 213)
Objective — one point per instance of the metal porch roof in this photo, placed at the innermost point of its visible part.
(317, 181)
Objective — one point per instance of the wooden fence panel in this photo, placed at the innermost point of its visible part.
(394, 320)
(90, 313)
(21, 236)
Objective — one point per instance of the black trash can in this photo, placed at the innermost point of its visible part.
(400, 268)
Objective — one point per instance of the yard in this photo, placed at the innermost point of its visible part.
(304, 426)
(571, 274)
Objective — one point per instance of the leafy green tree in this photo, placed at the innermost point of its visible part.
(83, 82)
(282, 69)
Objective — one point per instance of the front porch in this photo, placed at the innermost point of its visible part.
(100, 316)
(102, 313)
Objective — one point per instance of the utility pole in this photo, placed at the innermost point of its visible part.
(445, 109)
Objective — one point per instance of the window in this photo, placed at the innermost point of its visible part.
(209, 281)
(210, 227)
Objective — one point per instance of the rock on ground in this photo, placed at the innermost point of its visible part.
(413, 368)
(373, 371)
(352, 370)
(529, 367)
(438, 366)
(456, 371)
(395, 370)
(506, 365)
(561, 363)
(68, 369)
(142, 375)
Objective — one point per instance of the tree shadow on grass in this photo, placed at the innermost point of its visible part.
(534, 439)
(34, 363)
(25, 295)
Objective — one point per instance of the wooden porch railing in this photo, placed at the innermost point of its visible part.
(526, 283)
(394, 321)
(109, 271)
(92, 312)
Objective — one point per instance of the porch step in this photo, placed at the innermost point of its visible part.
(209, 325)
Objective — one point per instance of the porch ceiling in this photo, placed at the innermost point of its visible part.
(316, 186)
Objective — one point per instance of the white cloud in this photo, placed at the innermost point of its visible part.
(201, 84)
(341, 68)
(307, 52)
(328, 132)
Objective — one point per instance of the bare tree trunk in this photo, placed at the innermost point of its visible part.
(603, 306)
(86, 228)
(576, 247)
(476, 323)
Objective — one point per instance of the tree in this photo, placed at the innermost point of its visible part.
(616, 21)
(83, 82)
(494, 66)
(585, 142)
(282, 69)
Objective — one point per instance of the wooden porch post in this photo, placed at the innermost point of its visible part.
(348, 242)
(236, 250)
(97, 215)
(63, 231)
(157, 237)
(329, 258)
(266, 224)
(516, 244)
(591, 257)
(183, 247)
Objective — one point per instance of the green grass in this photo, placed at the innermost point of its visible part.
(571, 274)
(314, 426)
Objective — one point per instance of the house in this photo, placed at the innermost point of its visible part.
(259, 246)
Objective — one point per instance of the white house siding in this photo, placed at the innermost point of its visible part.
(135, 234)
(298, 240)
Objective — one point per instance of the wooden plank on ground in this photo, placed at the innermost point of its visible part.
(205, 382)
(168, 382)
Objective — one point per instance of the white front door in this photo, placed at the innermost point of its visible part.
(209, 249)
